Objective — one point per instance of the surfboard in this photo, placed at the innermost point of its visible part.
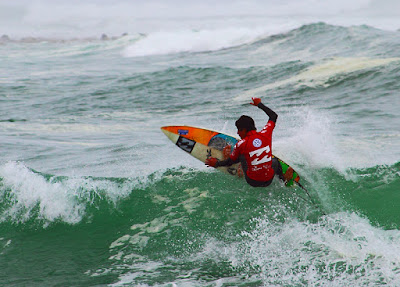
(204, 143)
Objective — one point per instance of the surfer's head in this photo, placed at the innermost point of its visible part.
(245, 124)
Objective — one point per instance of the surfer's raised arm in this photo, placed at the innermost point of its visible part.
(271, 114)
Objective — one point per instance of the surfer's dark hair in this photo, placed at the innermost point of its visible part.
(245, 122)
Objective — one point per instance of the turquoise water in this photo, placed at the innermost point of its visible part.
(93, 194)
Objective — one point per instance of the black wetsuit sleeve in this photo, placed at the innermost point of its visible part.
(272, 115)
(226, 162)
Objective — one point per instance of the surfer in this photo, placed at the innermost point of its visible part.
(254, 150)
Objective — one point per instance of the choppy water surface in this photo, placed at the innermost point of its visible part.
(93, 194)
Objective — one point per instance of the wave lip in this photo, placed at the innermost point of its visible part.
(28, 196)
(30, 193)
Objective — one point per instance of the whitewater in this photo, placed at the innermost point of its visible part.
(93, 194)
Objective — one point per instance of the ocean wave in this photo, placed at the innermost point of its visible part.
(228, 230)
(322, 74)
(292, 40)
(193, 227)
(162, 43)
(29, 196)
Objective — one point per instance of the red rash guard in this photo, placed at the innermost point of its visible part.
(257, 150)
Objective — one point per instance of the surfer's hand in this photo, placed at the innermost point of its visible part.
(256, 101)
(227, 151)
(212, 161)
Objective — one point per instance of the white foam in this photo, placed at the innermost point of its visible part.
(314, 138)
(311, 140)
(64, 200)
(342, 249)
(319, 74)
(167, 42)
(29, 190)
(340, 246)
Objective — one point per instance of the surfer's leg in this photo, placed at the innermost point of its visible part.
(278, 170)
(276, 166)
